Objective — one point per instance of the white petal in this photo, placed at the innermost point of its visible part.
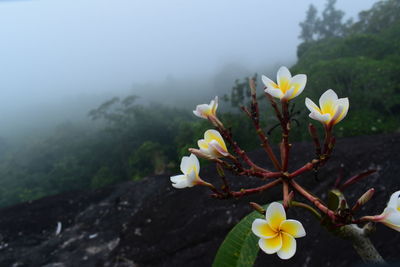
(185, 165)
(394, 198)
(268, 82)
(214, 105)
(299, 83)
(271, 245)
(289, 94)
(344, 102)
(190, 163)
(180, 185)
(192, 178)
(261, 229)
(288, 247)
(319, 117)
(179, 181)
(312, 106)
(274, 92)
(195, 162)
(178, 178)
(202, 111)
(211, 135)
(293, 228)
(197, 113)
(392, 216)
(202, 144)
(327, 97)
(275, 215)
(338, 112)
(218, 151)
(283, 74)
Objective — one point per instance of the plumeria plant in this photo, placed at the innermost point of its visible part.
(270, 230)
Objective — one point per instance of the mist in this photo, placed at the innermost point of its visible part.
(61, 58)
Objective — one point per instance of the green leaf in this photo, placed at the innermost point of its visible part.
(240, 247)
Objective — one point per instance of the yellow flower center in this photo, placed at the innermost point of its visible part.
(328, 108)
(284, 85)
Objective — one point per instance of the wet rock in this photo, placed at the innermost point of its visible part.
(149, 223)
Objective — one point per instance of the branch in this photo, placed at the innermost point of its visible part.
(285, 146)
(245, 192)
(361, 243)
(225, 133)
(254, 115)
(316, 201)
(355, 179)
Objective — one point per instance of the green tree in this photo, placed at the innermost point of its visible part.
(308, 26)
(330, 24)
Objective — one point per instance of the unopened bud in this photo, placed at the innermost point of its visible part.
(200, 153)
(366, 197)
(257, 208)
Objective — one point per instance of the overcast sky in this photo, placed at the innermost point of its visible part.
(53, 49)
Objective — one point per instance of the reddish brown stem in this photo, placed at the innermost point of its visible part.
(375, 218)
(355, 179)
(312, 199)
(254, 115)
(328, 143)
(275, 107)
(245, 192)
(263, 175)
(267, 148)
(264, 139)
(307, 167)
(285, 135)
(238, 150)
(285, 194)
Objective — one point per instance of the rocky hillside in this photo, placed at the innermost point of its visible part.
(149, 223)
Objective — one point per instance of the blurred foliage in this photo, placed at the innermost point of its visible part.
(240, 94)
(128, 141)
(362, 64)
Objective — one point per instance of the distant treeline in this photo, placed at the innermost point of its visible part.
(360, 60)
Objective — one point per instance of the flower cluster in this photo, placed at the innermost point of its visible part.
(277, 234)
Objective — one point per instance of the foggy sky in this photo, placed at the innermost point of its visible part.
(65, 49)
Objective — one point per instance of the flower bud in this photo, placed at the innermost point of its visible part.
(366, 197)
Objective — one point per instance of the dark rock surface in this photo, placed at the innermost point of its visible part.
(149, 223)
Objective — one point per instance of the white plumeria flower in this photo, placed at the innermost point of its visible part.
(287, 87)
(331, 109)
(205, 110)
(190, 168)
(277, 235)
(213, 144)
(391, 214)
